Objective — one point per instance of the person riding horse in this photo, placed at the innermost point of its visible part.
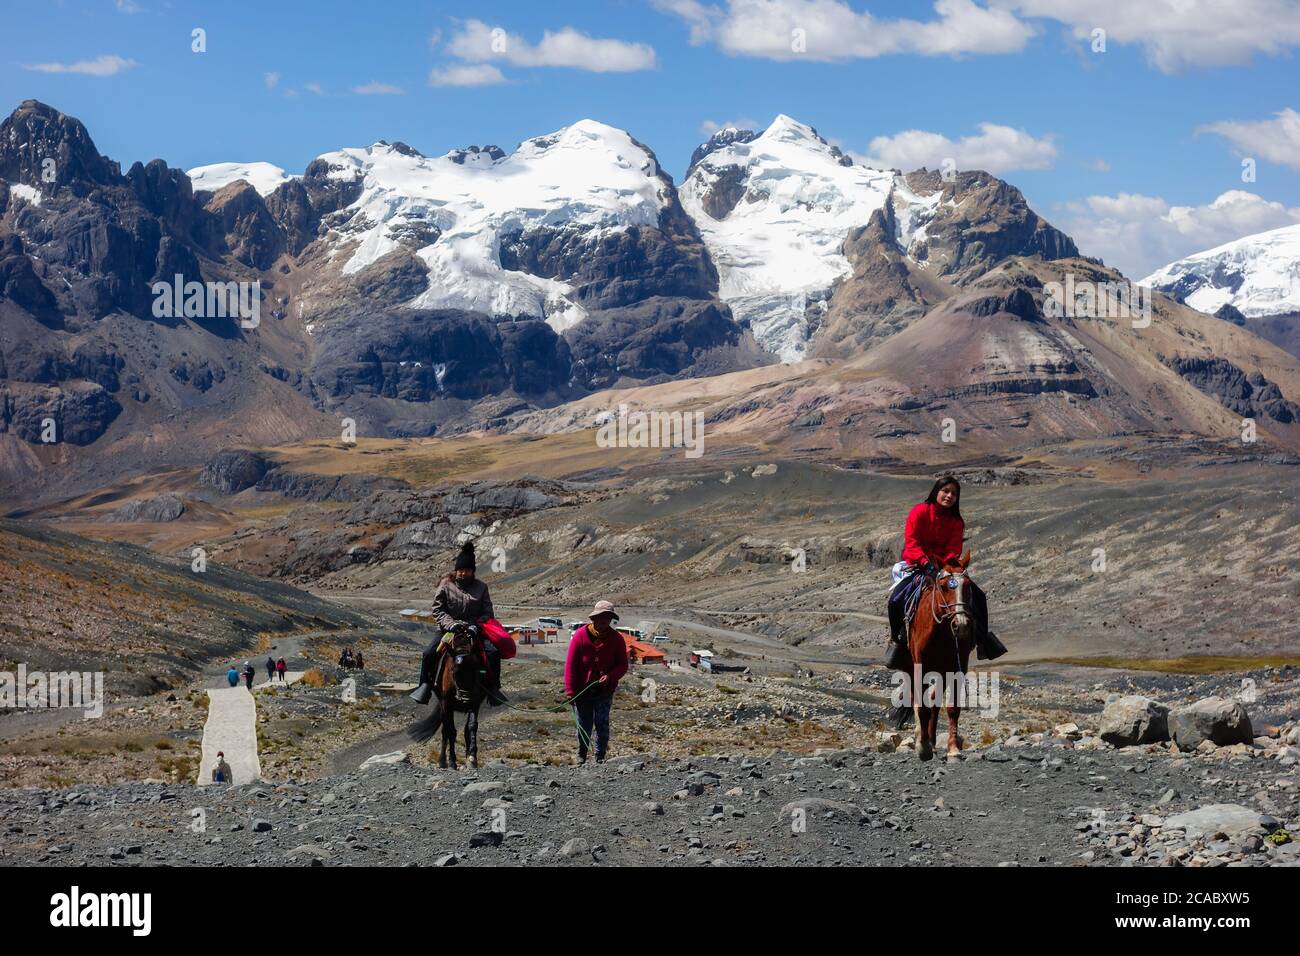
(933, 535)
(460, 605)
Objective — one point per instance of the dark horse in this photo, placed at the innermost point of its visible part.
(940, 640)
(460, 686)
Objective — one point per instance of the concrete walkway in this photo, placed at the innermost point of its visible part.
(231, 729)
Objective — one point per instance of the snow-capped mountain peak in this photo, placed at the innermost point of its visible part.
(1257, 275)
(774, 210)
(454, 211)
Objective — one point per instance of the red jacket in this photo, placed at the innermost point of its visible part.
(589, 658)
(932, 533)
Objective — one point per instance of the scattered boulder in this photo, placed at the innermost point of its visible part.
(1128, 721)
(1230, 819)
(817, 806)
(1215, 719)
(385, 760)
(575, 847)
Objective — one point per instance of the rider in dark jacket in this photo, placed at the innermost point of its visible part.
(460, 604)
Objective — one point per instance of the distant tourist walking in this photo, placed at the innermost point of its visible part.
(222, 773)
(232, 675)
(280, 668)
(597, 660)
(270, 668)
(249, 674)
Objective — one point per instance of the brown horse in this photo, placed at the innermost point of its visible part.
(461, 685)
(940, 639)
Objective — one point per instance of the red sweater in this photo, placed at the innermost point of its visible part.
(932, 533)
(589, 658)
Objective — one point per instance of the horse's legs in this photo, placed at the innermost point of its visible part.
(924, 734)
(954, 738)
(471, 738)
(449, 731)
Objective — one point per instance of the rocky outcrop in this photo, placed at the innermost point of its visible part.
(234, 470)
(1247, 394)
(167, 507)
(911, 256)
(249, 231)
(300, 205)
(308, 487)
(720, 139)
(79, 411)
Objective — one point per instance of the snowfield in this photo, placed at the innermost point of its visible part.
(587, 178)
(1259, 275)
(261, 176)
(781, 246)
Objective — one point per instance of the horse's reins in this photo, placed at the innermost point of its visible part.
(952, 611)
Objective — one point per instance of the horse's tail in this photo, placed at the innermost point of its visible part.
(899, 716)
(425, 729)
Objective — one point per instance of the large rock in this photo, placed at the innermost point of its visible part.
(233, 470)
(1226, 818)
(1221, 722)
(385, 760)
(165, 507)
(1133, 720)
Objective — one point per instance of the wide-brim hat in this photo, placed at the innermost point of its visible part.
(602, 607)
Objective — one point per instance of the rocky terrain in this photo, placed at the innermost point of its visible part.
(1059, 796)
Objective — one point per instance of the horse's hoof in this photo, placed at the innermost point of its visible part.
(473, 763)
(926, 752)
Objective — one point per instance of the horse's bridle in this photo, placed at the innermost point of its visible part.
(956, 581)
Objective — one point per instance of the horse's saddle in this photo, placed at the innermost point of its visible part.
(466, 669)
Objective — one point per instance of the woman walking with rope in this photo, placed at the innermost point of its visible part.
(597, 660)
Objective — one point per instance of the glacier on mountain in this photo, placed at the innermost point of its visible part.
(1259, 275)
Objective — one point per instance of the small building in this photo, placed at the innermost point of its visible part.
(639, 652)
(527, 634)
(702, 659)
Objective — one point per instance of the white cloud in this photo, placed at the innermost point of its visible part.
(314, 88)
(106, 65)
(478, 42)
(1178, 34)
(272, 80)
(129, 6)
(1139, 234)
(466, 74)
(832, 30)
(997, 149)
(1174, 34)
(378, 89)
(709, 127)
(1277, 140)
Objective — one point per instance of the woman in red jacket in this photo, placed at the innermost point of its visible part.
(932, 535)
(597, 660)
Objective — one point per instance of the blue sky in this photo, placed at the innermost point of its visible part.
(1105, 144)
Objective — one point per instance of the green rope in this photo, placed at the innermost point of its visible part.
(583, 737)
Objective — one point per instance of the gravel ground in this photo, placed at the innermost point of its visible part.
(1040, 800)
